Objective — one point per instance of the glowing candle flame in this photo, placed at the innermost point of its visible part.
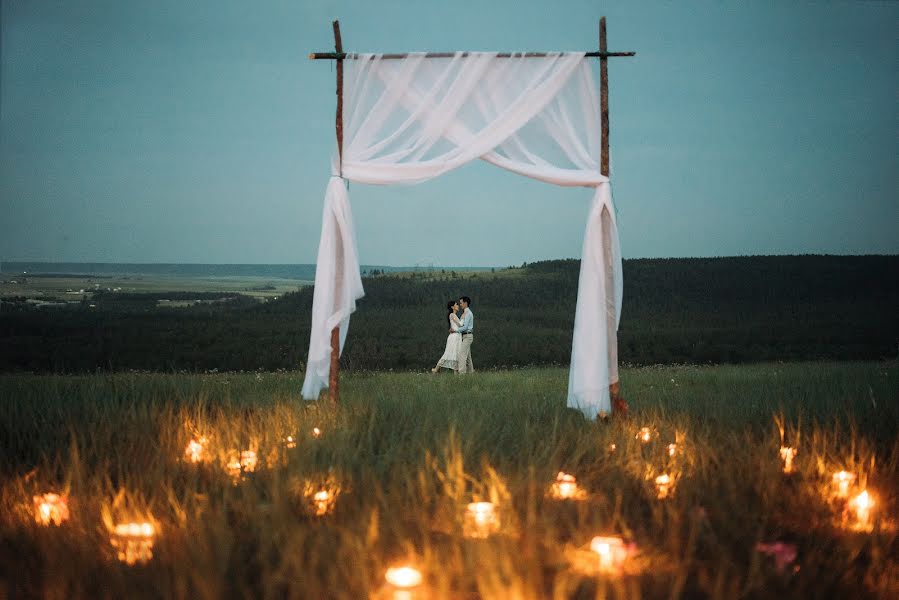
(787, 455)
(322, 502)
(566, 488)
(50, 508)
(316, 432)
(862, 505)
(612, 447)
(319, 496)
(843, 479)
(195, 449)
(611, 552)
(645, 434)
(133, 542)
(248, 461)
(672, 449)
(290, 442)
(403, 578)
(663, 483)
(480, 520)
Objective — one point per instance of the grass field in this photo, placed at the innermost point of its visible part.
(405, 453)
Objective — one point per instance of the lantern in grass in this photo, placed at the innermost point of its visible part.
(611, 551)
(566, 488)
(51, 508)
(323, 501)
(248, 461)
(841, 481)
(403, 582)
(644, 435)
(787, 455)
(481, 520)
(321, 498)
(233, 468)
(196, 449)
(133, 542)
(861, 506)
(663, 486)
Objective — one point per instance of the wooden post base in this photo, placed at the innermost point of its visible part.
(619, 406)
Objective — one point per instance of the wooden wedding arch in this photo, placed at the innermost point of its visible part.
(603, 55)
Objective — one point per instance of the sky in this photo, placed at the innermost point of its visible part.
(199, 132)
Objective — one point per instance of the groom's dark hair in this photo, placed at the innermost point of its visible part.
(466, 299)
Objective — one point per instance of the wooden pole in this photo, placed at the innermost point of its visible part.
(603, 98)
(334, 374)
(618, 405)
(398, 55)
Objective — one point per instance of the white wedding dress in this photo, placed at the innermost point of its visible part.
(450, 358)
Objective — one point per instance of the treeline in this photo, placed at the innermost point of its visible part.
(744, 309)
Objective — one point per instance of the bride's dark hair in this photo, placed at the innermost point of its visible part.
(449, 311)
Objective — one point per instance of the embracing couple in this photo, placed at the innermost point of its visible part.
(457, 355)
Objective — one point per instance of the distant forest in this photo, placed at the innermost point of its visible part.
(705, 310)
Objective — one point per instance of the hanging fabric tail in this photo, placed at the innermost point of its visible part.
(589, 374)
(338, 284)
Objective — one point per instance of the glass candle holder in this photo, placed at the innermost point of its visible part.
(611, 552)
(133, 542)
(481, 520)
(51, 509)
(787, 455)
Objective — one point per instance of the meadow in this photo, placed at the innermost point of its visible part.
(404, 454)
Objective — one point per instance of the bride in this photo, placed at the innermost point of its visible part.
(450, 358)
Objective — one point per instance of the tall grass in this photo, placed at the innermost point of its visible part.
(409, 451)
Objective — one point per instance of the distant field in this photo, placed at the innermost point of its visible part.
(64, 288)
(405, 453)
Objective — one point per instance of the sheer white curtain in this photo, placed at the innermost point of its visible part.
(409, 120)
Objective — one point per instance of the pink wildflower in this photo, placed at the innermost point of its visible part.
(784, 554)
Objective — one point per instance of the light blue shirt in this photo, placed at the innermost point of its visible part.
(467, 322)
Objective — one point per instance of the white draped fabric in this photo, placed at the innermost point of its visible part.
(411, 119)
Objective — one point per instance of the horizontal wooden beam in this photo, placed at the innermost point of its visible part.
(354, 55)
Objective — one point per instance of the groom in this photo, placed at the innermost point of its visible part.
(467, 331)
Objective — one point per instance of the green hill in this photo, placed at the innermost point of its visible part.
(743, 309)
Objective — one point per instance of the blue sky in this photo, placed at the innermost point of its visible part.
(171, 131)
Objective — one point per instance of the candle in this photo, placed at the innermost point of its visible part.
(644, 435)
(672, 449)
(320, 497)
(611, 552)
(787, 455)
(663, 483)
(195, 449)
(612, 448)
(322, 501)
(403, 584)
(842, 480)
(480, 520)
(290, 442)
(133, 542)
(403, 578)
(233, 467)
(862, 504)
(248, 461)
(316, 432)
(51, 508)
(566, 488)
